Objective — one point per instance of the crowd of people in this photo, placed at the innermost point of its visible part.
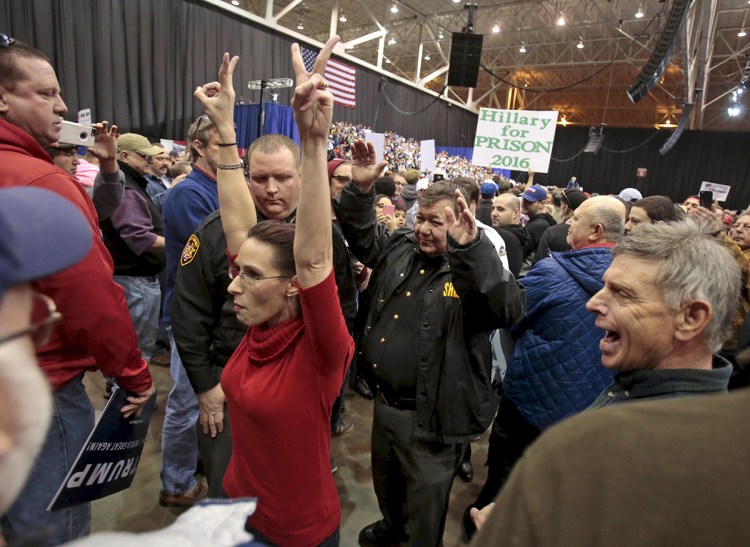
(565, 323)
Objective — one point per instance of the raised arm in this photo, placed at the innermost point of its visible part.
(237, 207)
(313, 109)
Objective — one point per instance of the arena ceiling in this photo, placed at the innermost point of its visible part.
(581, 68)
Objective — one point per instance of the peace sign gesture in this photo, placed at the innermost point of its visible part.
(312, 102)
(217, 99)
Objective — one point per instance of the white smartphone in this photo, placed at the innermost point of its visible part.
(75, 133)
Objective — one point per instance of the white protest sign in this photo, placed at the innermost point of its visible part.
(427, 155)
(378, 141)
(721, 191)
(84, 116)
(514, 139)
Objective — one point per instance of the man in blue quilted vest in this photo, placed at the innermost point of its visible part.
(555, 370)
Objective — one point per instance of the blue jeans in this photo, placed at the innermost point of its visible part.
(179, 441)
(143, 296)
(72, 421)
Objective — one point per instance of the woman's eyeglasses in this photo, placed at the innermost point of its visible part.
(44, 318)
(249, 279)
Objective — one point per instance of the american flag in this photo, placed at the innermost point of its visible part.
(341, 78)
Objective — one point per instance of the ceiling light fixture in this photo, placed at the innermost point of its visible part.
(300, 26)
(343, 16)
(496, 28)
(440, 34)
(394, 8)
(427, 57)
(235, 2)
(388, 61)
(742, 33)
(561, 21)
(563, 121)
(640, 13)
(391, 41)
(579, 45)
(522, 49)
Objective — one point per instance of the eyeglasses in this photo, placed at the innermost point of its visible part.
(249, 279)
(44, 317)
(6, 41)
(343, 179)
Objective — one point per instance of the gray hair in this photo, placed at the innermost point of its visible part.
(607, 211)
(693, 266)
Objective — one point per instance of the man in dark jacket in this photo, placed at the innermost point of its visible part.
(484, 209)
(534, 200)
(134, 235)
(506, 215)
(435, 295)
(555, 370)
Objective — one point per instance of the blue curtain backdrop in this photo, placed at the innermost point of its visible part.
(279, 119)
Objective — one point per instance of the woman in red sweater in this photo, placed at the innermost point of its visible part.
(283, 378)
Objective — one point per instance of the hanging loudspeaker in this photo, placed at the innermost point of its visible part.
(466, 54)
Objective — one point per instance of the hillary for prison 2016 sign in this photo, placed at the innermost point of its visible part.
(514, 139)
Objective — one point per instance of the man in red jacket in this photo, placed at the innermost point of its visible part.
(96, 331)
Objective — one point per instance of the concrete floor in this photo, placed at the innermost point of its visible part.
(137, 509)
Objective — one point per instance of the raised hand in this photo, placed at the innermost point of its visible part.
(464, 228)
(105, 143)
(364, 167)
(312, 102)
(217, 99)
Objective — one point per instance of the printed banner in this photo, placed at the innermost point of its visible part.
(109, 459)
(520, 140)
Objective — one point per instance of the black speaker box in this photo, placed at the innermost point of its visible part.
(466, 54)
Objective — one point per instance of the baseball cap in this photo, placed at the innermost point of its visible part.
(488, 189)
(422, 184)
(438, 174)
(535, 192)
(412, 176)
(133, 142)
(573, 198)
(43, 233)
(630, 195)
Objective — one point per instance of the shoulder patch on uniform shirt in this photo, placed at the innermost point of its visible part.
(190, 250)
(449, 291)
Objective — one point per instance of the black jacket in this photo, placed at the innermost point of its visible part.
(555, 238)
(455, 399)
(516, 239)
(204, 324)
(126, 262)
(535, 227)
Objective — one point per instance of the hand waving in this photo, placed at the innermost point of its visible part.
(364, 167)
(105, 143)
(217, 98)
(312, 102)
(464, 228)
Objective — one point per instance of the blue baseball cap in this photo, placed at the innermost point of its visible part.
(535, 192)
(41, 233)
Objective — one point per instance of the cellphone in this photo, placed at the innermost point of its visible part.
(75, 133)
(707, 199)
(389, 210)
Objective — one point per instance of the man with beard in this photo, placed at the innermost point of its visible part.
(506, 215)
